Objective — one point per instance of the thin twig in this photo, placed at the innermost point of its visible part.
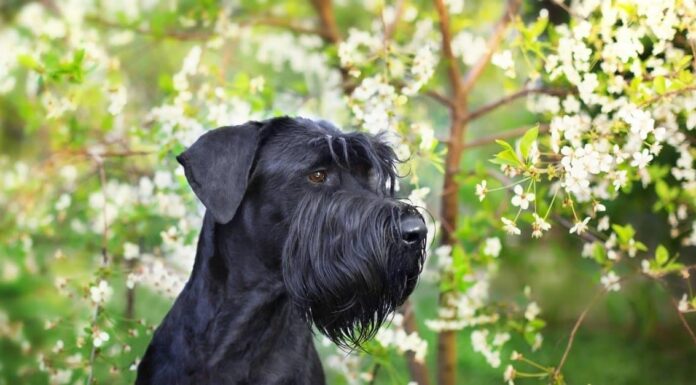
(440, 98)
(183, 35)
(374, 373)
(113, 154)
(475, 114)
(391, 27)
(330, 31)
(203, 35)
(576, 327)
(514, 133)
(683, 320)
(450, 60)
(105, 232)
(284, 24)
(418, 371)
(104, 261)
(332, 36)
(668, 94)
(492, 44)
(675, 304)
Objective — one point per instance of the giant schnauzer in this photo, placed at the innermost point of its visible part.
(301, 229)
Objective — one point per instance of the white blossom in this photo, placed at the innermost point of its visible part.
(99, 338)
(481, 190)
(532, 311)
(641, 159)
(611, 281)
(683, 305)
(509, 375)
(130, 251)
(101, 293)
(492, 246)
(522, 198)
(118, 99)
(504, 61)
(510, 227)
(580, 227)
(539, 226)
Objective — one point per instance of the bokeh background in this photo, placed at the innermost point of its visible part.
(98, 226)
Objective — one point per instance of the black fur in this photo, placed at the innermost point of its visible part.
(278, 253)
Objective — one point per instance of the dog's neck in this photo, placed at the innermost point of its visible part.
(239, 294)
(234, 316)
(235, 292)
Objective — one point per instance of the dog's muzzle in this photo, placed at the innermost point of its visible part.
(350, 260)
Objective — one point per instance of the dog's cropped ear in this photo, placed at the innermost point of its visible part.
(217, 167)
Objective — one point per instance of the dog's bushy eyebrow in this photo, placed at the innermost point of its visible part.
(288, 138)
(347, 150)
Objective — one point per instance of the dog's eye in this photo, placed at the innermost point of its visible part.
(318, 176)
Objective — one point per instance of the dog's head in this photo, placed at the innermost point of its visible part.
(321, 202)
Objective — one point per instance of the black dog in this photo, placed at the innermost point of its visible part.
(301, 229)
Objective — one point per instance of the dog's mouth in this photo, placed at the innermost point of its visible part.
(411, 260)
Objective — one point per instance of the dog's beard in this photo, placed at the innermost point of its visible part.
(345, 264)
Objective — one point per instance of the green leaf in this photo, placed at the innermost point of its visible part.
(683, 62)
(504, 144)
(527, 140)
(460, 266)
(673, 267)
(538, 27)
(530, 337)
(29, 62)
(640, 246)
(599, 253)
(507, 157)
(661, 255)
(625, 233)
(537, 324)
(662, 190)
(660, 85)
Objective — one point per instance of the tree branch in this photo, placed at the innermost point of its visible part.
(669, 94)
(104, 261)
(114, 154)
(485, 109)
(576, 327)
(490, 139)
(450, 60)
(449, 208)
(683, 320)
(418, 370)
(492, 44)
(675, 304)
(203, 35)
(331, 35)
(285, 24)
(183, 35)
(329, 28)
(440, 98)
(391, 27)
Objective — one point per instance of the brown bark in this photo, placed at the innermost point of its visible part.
(447, 342)
(460, 89)
(417, 370)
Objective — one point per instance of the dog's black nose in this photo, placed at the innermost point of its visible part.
(413, 229)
